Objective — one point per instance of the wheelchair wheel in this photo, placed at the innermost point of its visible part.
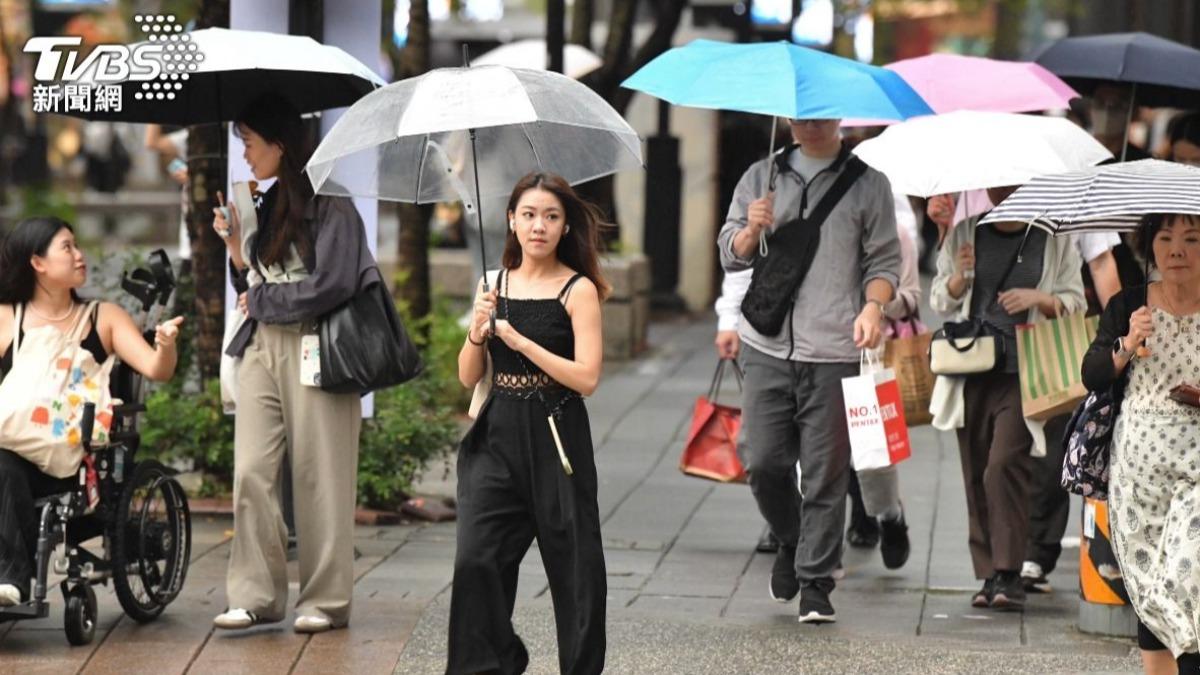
(152, 542)
(79, 617)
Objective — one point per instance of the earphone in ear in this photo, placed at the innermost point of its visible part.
(512, 224)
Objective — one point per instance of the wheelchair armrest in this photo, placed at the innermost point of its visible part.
(127, 409)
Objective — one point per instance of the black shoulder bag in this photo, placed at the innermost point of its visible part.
(794, 246)
(364, 346)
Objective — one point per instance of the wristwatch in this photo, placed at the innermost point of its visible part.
(1119, 349)
(872, 301)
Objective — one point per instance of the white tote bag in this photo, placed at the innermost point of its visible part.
(875, 416)
(42, 397)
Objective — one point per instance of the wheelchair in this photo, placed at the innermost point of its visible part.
(141, 519)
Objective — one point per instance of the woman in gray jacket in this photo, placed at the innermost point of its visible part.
(306, 258)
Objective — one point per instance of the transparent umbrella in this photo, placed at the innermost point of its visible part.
(427, 136)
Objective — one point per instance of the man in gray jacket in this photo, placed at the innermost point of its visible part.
(792, 403)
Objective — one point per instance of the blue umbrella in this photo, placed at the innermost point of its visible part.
(776, 78)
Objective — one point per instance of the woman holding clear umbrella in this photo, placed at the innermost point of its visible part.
(1154, 485)
(526, 469)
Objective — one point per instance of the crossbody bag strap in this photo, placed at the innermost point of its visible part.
(18, 320)
(1012, 263)
(854, 168)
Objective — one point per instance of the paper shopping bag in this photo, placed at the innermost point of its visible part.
(711, 448)
(908, 357)
(875, 419)
(1050, 356)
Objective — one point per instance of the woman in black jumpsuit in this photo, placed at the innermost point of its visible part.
(515, 481)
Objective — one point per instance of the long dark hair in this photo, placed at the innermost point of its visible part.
(579, 248)
(279, 123)
(30, 237)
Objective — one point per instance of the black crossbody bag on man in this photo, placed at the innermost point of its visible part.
(778, 275)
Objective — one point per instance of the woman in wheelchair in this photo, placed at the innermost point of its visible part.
(41, 270)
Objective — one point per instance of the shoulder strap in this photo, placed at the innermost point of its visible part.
(1012, 263)
(18, 319)
(566, 289)
(854, 168)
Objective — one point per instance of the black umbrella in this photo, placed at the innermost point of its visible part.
(210, 75)
(1162, 73)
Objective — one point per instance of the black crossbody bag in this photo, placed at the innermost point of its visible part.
(793, 248)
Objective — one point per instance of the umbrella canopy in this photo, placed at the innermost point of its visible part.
(416, 136)
(1113, 197)
(531, 55)
(210, 75)
(776, 78)
(969, 150)
(1165, 73)
(950, 82)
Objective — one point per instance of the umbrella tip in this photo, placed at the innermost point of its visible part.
(466, 57)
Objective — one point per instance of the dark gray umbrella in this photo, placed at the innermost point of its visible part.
(1161, 72)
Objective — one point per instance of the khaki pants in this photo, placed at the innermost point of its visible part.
(319, 431)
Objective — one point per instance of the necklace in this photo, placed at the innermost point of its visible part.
(1175, 314)
(43, 317)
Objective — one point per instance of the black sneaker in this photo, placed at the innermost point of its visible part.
(1010, 592)
(767, 543)
(894, 542)
(815, 606)
(984, 597)
(863, 533)
(784, 584)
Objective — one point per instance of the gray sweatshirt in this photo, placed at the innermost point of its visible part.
(858, 244)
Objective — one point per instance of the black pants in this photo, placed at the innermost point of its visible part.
(512, 489)
(20, 484)
(1051, 503)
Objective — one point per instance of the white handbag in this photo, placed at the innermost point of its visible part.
(964, 348)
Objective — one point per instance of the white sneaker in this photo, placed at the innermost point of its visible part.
(236, 619)
(10, 596)
(311, 624)
(1031, 570)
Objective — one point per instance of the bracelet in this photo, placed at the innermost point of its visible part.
(477, 344)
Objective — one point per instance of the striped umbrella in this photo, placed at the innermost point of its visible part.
(1108, 198)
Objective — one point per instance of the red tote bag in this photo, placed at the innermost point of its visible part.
(711, 448)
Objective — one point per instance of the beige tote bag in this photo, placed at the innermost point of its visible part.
(42, 397)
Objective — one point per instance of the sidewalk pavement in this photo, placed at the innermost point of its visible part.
(686, 592)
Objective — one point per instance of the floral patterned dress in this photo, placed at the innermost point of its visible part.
(1154, 497)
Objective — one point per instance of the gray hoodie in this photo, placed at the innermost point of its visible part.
(858, 244)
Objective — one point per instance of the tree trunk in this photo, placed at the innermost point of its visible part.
(619, 65)
(207, 174)
(413, 248)
(1010, 15)
(583, 13)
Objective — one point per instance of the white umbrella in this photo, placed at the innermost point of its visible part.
(210, 75)
(531, 55)
(970, 150)
(424, 138)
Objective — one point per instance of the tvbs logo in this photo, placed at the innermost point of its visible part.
(96, 82)
(106, 64)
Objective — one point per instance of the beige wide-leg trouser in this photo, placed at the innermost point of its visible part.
(319, 433)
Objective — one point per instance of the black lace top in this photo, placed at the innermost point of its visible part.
(546, 322)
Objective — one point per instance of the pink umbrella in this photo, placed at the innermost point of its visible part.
(949, 82)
